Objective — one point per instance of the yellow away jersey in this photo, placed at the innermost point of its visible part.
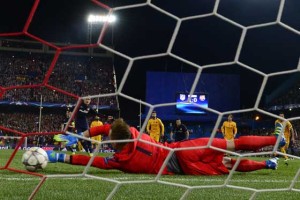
(155, 126)
(229, 129)
(96, 123)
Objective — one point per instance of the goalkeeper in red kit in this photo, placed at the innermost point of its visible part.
(143, 157)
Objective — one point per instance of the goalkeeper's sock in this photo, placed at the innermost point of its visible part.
(253, 143)
(246, 165)
(55, 157)
(61, 157)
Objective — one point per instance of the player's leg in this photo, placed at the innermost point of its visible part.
(70, 148)
(94, 143)
(87, 145)
(154, 136)
(253, 143)
(247, 165)
(79, 146)
(228, 136)
(284, 150)
(157, 137)
(204, 161)
(98, 138)
(250, 143)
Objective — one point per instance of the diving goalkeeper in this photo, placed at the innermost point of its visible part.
(141, 157)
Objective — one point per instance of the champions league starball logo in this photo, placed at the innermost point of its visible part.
(182, 97)
(202, 97)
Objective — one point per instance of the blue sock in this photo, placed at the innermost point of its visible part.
(61, 157)
(55, 157)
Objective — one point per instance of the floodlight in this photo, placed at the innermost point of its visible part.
(101, 18)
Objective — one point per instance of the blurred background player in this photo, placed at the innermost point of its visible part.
(155, 127)
(96, 122)
(110, 119)
(229, 128)
(81, 124)
(71, 128)
(179, 132)
(288, 134)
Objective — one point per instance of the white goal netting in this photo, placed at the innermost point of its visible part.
(244, 33)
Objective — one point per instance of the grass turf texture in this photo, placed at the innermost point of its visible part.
(19, 186)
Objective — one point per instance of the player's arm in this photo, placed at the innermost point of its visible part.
(171, 135)
(292, 132)
(223, 129)
(234, 130)
(99, 162)
(162, 128)
(97, 130)
(187, 133)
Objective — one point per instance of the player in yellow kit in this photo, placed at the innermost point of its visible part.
(229, 129)
(155, 127)
(96, 122)
(288, 133)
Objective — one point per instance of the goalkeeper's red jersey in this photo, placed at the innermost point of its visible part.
(141, 157)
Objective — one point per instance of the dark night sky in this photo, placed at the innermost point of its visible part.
(144, 30)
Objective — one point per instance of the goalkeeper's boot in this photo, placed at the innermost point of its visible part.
(69, 139)
(55, 157)
(272, 163)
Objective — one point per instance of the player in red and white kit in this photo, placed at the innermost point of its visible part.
(141, 157)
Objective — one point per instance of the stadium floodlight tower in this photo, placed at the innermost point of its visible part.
(98, 19)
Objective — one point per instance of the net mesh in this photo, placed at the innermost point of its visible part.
(188, 189)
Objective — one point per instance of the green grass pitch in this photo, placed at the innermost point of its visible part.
(15, 186)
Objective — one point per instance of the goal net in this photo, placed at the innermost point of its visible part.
(238, 57)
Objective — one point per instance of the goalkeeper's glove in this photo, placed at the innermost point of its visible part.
(69, 139)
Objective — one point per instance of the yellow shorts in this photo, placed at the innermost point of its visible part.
(155, 136)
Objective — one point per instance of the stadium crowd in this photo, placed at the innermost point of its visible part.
(290, 98)
(28, 123)
(80, 75)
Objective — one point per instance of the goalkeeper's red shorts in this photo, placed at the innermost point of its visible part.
(205, 161)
